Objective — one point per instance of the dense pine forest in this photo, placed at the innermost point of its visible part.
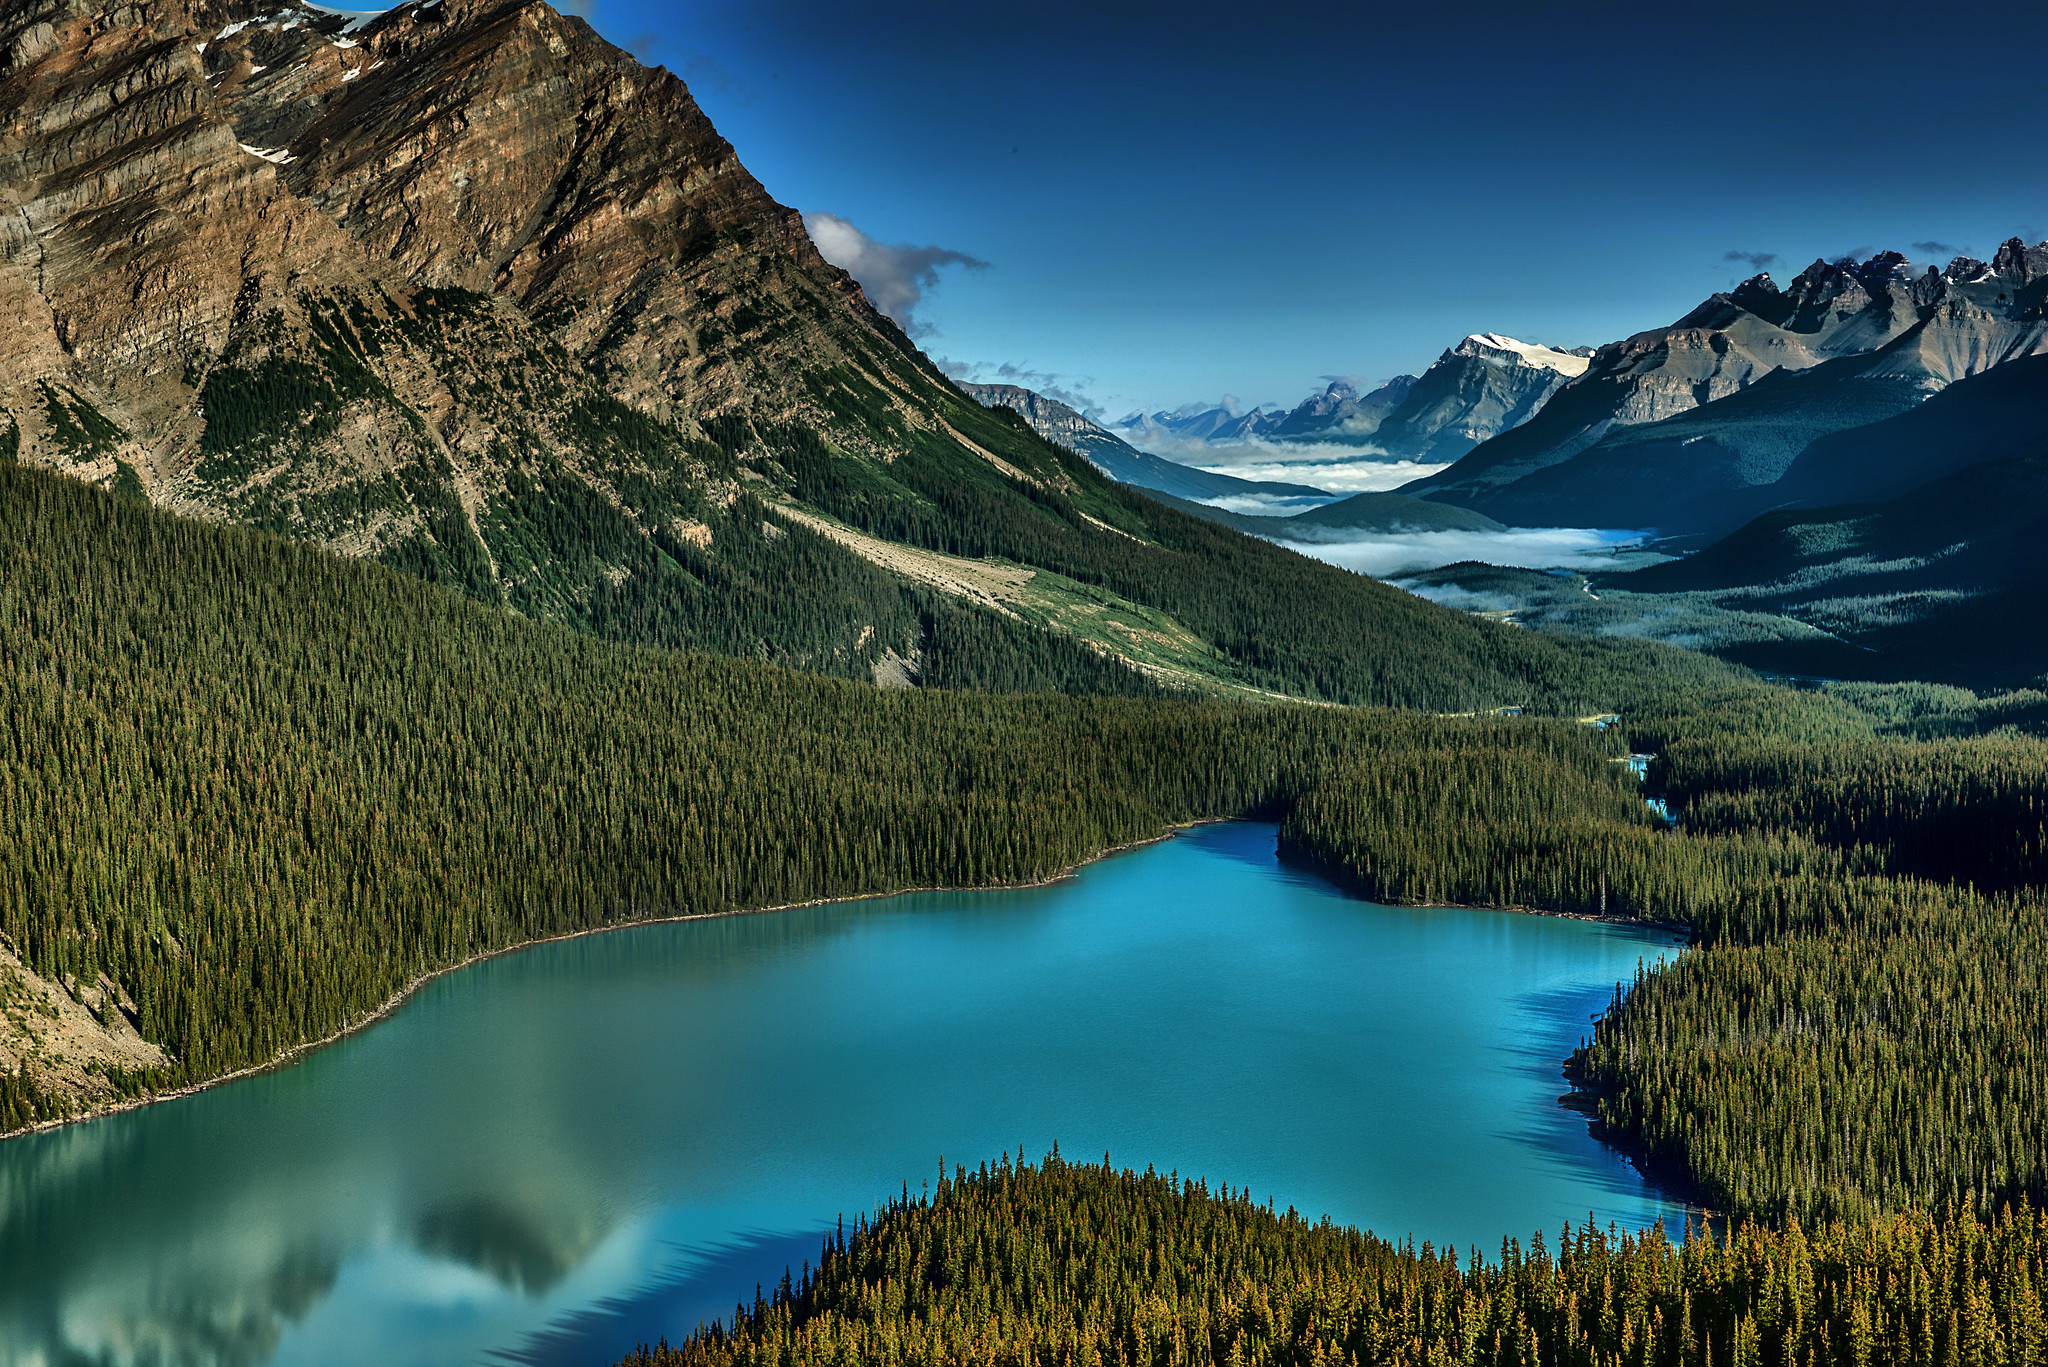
(262, 789)
(650, 576)
(1860, 1026)
(1042, 1266)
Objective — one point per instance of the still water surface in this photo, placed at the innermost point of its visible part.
(551, 1156)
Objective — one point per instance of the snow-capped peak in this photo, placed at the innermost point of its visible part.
(1563, 362)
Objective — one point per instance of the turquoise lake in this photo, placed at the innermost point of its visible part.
(548, 1157)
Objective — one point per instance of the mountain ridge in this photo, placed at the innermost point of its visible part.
(1485, 385)
(463, 289)
(1900, 336)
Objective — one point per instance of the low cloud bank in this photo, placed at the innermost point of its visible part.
(1461, 598)
(1336, 466)
(1531, 548)
(1369, 475)
(1276, 505)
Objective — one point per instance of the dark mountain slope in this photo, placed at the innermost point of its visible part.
(1710, 469)
(2002, 412)
(1942, 583)
(465, 289)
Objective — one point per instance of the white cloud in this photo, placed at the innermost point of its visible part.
(1266, 505)
(1352, 476)
(1534, 548)
(895, 278)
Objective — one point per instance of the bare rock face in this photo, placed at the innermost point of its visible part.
(135, 228)
(74, 1037)
(505, 148)
(1481, 387)
(404, 286)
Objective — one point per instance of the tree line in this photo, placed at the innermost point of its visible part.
(1859, 1026)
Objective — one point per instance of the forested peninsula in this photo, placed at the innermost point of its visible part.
(1031, 1266)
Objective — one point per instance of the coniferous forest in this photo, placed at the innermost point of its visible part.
(1058, 1263)
(448, 503)
(263, 789)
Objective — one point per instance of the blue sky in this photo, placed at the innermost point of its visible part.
(1178, 202)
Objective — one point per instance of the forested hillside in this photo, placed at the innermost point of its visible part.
(1033, 1266)
(1859, 1027)
(260, 788)
(252, 790)
(603, 385)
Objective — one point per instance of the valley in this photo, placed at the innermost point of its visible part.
(449, 508)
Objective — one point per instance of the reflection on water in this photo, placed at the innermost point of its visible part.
(552, 1156)
(709, 1286)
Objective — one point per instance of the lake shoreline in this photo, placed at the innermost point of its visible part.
(398, 999)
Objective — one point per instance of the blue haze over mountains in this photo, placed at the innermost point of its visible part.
(1885, 426)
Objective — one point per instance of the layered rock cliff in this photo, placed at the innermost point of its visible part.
(460, 286)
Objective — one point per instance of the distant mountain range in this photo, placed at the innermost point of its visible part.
(1313, 516)
(1862, 452)
(1338, 414)
(1859, 453)
(1125, 463)
(1481, 387)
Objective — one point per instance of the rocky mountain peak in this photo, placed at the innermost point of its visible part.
(1880, 271)
(1501, 350)
(414, 285)
(2023, 263)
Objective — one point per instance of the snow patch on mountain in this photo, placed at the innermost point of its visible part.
(1565, 363)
